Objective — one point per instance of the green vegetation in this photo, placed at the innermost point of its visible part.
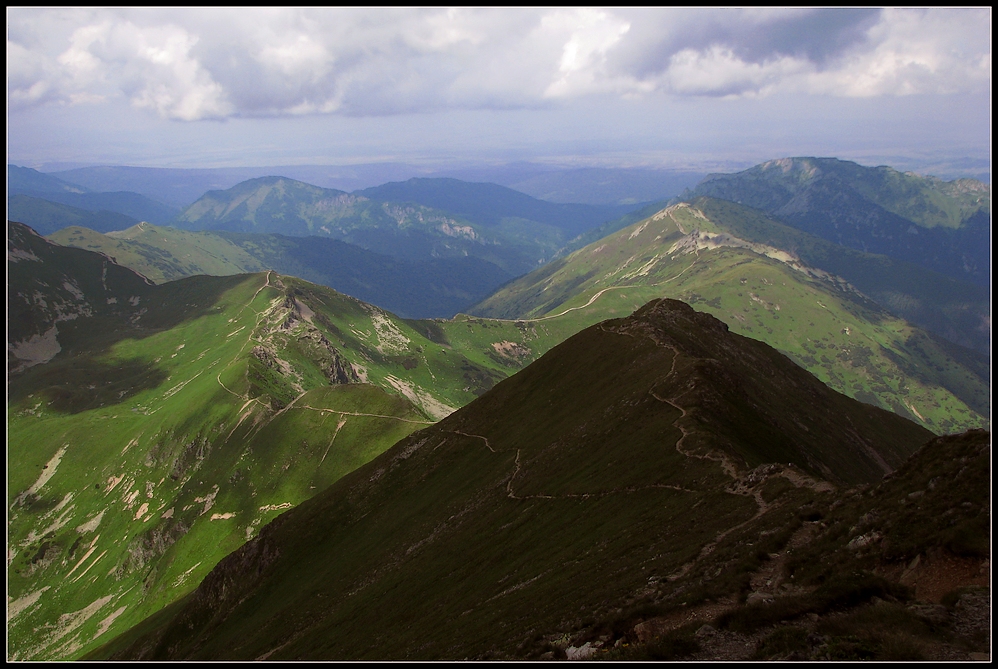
(153, 429)
(163, 254)
(134, 466)
(955, 310)
(761, 291)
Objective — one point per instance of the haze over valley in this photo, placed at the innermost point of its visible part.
(498, 334)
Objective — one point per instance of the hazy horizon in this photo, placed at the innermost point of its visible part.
(689, 89)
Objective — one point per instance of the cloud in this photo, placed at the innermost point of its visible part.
(219, 63)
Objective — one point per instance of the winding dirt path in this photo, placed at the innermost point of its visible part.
(368, 415)
(592, 299)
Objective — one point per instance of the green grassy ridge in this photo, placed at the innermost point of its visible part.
(172, 384)
(843, 338)
(162, 253)
(557, 496)
(955, 310)
(186, 438)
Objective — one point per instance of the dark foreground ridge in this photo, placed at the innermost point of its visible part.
(655, 487)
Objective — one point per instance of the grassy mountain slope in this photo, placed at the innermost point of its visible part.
(489, 204)
(46, 217)
(944, 226)
(627, 460)
(430, 288)
(956, 310)
(152, 429)
(162, 253)
(132, 205)
(26, 181)
(761, 291)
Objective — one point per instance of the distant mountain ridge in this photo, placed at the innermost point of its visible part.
(46, 216)
(180, 187)
(944, 226)
(407, 228)
(107, 207)
(430, 288)
(490, 203)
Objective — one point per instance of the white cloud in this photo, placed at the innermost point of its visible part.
(160, 73)
(717, 71)
(216, 63)
(591, 34)
(916, 51)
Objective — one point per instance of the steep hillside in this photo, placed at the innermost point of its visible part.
(645, 463)
(26, 181)
(431, 288)
(761, 291)
(943, 226)
(489, 204)
(161, 253)
(956, 310)
(410, 231)
(152, 429)
(46, 217)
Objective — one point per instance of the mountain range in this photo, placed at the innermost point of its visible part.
(941, 225)
(656, 430)
(29, 183)
(509, 229)
(179, 187)
(427, 288)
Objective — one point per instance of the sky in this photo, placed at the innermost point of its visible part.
(664, 88)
